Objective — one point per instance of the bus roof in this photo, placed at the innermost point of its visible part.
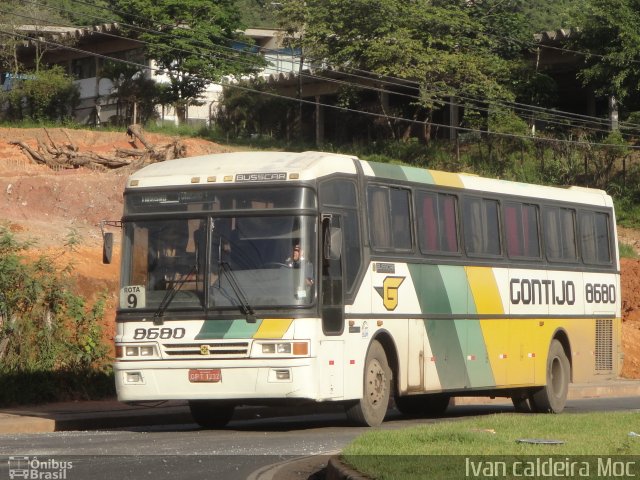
(248, 167)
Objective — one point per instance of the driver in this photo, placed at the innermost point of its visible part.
(297, 260)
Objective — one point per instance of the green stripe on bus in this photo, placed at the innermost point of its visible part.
(385, 170)
(217, 329)
(475, 354)
(421, 175)
(430, 289)
(455, 282)
(449, 359)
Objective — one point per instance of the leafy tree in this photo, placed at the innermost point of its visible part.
(551, 14)
(610, 34)
(133, 91)
(78, 13)
(192, 43)
(257, 13)
(45, 95)
(446, 46)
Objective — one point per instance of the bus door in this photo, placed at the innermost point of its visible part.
(332, 306)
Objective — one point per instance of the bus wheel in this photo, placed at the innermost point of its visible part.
(211, 414)
(552, 397)
(432, 405)
(371, 409)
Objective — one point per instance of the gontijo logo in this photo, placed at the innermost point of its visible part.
(389, 292)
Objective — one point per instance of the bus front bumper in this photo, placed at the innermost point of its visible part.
(226, 380)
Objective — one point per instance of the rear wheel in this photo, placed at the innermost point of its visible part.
(210, 413)
(552, 397)
(431, 405)
(371, 409)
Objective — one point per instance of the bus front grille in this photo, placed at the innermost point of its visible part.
(206, 350)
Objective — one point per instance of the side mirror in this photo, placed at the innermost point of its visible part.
(107, 247)
(332, 238)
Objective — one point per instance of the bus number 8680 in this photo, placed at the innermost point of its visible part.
(153, 333)
(600, 293)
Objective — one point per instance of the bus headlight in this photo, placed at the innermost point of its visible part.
(285, 349)
(134, 352)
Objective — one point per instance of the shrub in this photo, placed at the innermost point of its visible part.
(50, 339)
(45, 95)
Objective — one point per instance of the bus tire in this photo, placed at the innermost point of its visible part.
(431, 405)
(552, 397)
(371, 409)
(211, 414)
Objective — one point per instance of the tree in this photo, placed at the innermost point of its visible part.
(191, 42)
(610, 34)
(449, 47)
(551, 14)
(45, 95)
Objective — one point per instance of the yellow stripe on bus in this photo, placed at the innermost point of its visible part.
(486, 297)
(273, 327)
(485, 291)
(446, 179)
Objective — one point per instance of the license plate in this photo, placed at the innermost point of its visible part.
(201, 375)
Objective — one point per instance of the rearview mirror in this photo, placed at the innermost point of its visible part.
(107, 247)
(332, 238)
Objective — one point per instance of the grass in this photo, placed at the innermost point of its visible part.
(627, 251)
(412, 453)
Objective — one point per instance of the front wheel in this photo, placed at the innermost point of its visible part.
(552, 397)
(371, 409)
(211, 414)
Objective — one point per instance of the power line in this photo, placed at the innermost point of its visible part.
(334, 107)
(552, 116)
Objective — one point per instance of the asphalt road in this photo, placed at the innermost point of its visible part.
(237, 452)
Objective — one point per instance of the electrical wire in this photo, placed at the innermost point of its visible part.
(527, 112)
(316, 104)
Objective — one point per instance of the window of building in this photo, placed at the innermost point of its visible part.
(437, 222)
(83, 67)
(481, 224)
(521, 230)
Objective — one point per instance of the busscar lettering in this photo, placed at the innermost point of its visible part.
(541, 292)
(260, 176)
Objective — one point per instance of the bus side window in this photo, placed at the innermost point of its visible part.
(481, 226)
(389, 218)
(594, 237)
(559, 234)
(437, 222)
(521, 230)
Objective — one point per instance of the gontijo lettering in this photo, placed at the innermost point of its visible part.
(541, 292)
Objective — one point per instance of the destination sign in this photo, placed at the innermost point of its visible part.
(261, 177)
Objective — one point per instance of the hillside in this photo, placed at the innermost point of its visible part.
(48, 206)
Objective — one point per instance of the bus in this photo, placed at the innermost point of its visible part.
(262, 278)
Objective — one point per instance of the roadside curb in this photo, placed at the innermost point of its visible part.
(337, 470)
(94, 415)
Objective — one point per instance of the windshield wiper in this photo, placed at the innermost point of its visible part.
(158, 317)
(245, 307)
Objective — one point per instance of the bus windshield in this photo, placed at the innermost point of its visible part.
(219, 263)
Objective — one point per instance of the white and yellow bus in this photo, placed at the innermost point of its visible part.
(267, 277)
